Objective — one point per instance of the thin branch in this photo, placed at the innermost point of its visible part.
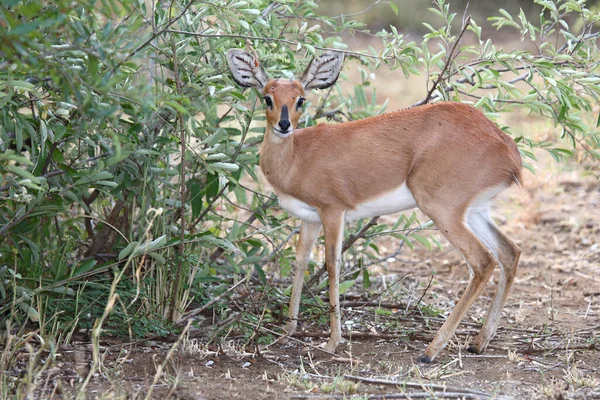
(424, 292)
(154, 36)
(279, 40)
(191, 314)
(182, 191)
(342, 16)
(449, 61)
(347, 244)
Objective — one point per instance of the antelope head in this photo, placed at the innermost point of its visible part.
(284, 98)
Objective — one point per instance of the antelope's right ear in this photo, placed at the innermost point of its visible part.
(246, 69)
(323, 71)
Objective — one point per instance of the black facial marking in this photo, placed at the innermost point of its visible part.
(284, 119)
(284, 113)
(269, 102)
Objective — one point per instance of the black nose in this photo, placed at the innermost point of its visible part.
(284, 124)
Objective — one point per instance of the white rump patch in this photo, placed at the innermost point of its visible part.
(478, 219)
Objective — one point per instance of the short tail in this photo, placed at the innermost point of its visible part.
(517, 178)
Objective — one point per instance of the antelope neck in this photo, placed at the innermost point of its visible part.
(276, 158)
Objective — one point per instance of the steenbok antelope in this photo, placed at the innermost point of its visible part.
(448, 159)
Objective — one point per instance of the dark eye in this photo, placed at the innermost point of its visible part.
(300, 103)
(268, 102)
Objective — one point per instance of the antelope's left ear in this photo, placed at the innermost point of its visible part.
(323, 71)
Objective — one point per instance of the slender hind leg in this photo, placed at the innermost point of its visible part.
(507, 254)
(333, 229)
(481, 264)
(309, 231)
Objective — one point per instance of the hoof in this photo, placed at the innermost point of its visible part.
(330, 347)
(474, 349)
(283, 340)
(425, 359)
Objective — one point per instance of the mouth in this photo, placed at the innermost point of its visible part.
(282, 134)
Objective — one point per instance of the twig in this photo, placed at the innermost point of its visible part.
(347, 244)
(417, 385)
(154, 36)
(191, 314)
(182, 193)
(232, 161)
(342, 16)
(424, 292)
(448, 61)
(262, 208)
(270, 39)
(387, 289)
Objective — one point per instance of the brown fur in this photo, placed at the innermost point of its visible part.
(432, 146)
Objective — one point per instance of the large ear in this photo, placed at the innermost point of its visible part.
(246, 69)
(323, 71)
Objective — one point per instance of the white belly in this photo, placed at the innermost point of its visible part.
(397, 200)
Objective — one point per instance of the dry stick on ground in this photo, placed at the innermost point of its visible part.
(360, 304)
(385, 336)
(365, 335)
(371, 302)
(591, 346)
(415, 395)
(272, 332)
(416, 385)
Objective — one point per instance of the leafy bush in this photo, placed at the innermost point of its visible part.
(129, 157)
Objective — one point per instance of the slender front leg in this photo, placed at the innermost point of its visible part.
(309, 231)
(333, 228)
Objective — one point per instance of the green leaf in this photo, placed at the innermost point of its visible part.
(12, 156)
(128, 250)
(346, 285)
(98, 176)
(23, 173)
(151, 245)
(423, 240)
(225, 166)
(366, 277)
(195, 189)
(85, 266)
